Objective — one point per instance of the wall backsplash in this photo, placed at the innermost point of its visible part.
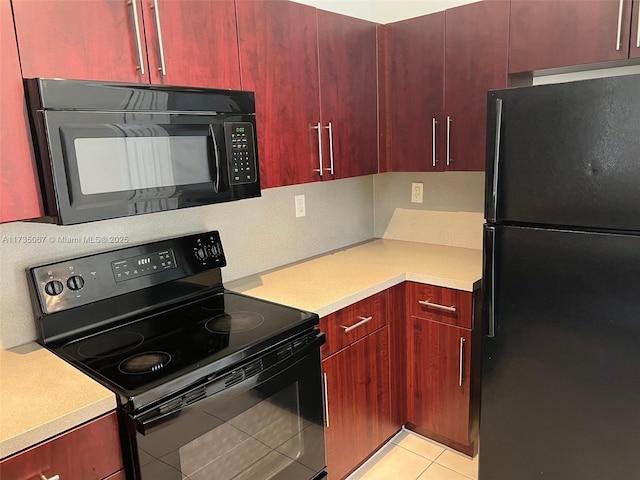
(451, 214)
(257, 234)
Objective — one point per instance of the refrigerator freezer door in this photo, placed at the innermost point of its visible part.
(568, 154)
(560, 380)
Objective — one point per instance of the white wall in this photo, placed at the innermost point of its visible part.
(541, 79)
(257, 234)
(385, 11)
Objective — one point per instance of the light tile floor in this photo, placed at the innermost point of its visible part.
(408, 456)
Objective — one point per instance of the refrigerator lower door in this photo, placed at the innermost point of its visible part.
(561, 372)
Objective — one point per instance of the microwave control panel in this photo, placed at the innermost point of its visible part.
(241, 152)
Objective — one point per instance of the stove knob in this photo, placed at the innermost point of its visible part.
(54, 287)
(75, 282)
(201, 254)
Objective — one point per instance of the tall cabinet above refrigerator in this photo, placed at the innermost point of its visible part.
(561, 346)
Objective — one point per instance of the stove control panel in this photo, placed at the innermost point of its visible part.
(84, 280)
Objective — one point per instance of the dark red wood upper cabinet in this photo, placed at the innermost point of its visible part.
(634, 48)
(553, 33)
(199, 44)
(348, 94)
(414, 76)
(476, 42)
(19, 192)
(79, 39)
(279, 61)
(358, 402)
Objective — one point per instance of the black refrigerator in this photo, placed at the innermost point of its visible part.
(561, 324)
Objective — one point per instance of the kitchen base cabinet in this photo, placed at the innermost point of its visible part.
(89, 452)
(358, 402)
(441, 359)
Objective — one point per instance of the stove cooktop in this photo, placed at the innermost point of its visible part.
(150, 320)
(207, 334)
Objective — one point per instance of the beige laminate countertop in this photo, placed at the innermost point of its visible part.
(332, 281)
(41, 396)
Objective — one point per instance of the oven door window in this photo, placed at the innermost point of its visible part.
(273, 430)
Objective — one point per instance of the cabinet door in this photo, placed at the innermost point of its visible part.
(358, 402)
(476, 61)
(552, 33)
(196, 40)
(19, 191)
(348, 93)
(634, 48)
(438, 369)
(414, 79)
(279, 61)
(89, 452)
(78, 39)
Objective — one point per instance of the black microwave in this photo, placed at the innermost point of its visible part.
(107, 150)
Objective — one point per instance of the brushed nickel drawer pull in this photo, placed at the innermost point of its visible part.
(362, 321)
(55, 477)
(427, 303)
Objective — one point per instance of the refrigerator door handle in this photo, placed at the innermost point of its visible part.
(490, 279)
(496, 162)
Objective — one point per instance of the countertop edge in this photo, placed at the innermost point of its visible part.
(58, 426)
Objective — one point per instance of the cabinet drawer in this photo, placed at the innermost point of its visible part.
(353, 322)
(89, 452)
(441, 304)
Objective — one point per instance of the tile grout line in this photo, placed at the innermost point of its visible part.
(454, 471)
(422, 472)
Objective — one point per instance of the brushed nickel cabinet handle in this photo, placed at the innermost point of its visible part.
(448, 140)
(136, 25)
(461, 361)
(362, 321)
(619, 33)
(638, 32)
(427, 303)
(162, 66)
(433, 142)
(326, 400)
(330, 127)
(319, 128)
(55, 477)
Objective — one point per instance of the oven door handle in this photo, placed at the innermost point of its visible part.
(147, 422)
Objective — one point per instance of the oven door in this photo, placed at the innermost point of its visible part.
(112, 164)
(269, 426)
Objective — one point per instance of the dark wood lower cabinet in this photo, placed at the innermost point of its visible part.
(438, 374)
(88, 452)
(358, 400)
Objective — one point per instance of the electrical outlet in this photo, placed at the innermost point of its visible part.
(416, 192)
(301, 210)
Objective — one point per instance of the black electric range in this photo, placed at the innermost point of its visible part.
(155, 324)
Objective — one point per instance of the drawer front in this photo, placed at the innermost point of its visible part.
(353, 322)
(440, 304)
(89, 452)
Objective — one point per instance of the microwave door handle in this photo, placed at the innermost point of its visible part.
(216, 154)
